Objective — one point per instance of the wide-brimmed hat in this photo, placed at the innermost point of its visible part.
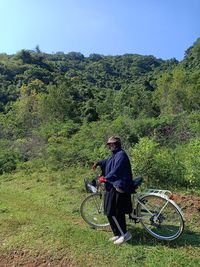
(113, 140)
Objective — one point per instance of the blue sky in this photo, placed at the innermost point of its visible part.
(163, 28)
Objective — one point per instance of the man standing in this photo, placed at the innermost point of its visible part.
(117, 176)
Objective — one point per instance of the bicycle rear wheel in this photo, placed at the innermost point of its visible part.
(161, 217)
(92, 211)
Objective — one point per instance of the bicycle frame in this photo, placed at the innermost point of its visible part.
(136, 199)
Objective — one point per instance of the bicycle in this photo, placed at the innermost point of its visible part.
(155, 209)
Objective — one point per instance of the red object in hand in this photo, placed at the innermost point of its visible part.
(102, 179)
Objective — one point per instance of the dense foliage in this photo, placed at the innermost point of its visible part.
(58, 109)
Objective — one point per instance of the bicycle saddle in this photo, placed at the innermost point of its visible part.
(137, 181)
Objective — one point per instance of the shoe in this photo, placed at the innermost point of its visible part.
(123, 238)
(114, 238)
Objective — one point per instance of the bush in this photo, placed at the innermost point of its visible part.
(83, 148)
(189, 155)
(168, 168)
(158, 165)
(142, 155)
(8, 158)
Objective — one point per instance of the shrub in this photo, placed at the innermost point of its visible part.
(168, 168)
(8, 158)
(189, 155)
(142, 156)
(159, 166)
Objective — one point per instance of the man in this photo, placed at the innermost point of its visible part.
(117, 176)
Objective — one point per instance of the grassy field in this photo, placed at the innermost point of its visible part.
(40, 225)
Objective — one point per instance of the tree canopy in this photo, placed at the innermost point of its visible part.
(60, 108)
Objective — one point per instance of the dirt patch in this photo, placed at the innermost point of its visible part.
(24, 259)
(190, 206)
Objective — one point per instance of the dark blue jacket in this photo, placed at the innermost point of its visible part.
(117, 171)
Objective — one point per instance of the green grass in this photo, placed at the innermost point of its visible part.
(40, 220)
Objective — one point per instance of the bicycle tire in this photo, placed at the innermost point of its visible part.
(161, 217)
(92, 211)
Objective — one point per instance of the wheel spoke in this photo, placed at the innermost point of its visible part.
(92, 211)
(160, 217)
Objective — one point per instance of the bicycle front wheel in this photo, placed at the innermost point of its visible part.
(92, 211)
(161, 217)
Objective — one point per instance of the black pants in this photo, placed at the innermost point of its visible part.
(118, 228)
(116, 205)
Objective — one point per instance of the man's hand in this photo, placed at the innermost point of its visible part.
(94, 166)
(102, 179)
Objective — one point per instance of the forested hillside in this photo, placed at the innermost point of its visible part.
(57, 110)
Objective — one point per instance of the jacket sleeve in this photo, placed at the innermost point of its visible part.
(115, 173)
(102, 165)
